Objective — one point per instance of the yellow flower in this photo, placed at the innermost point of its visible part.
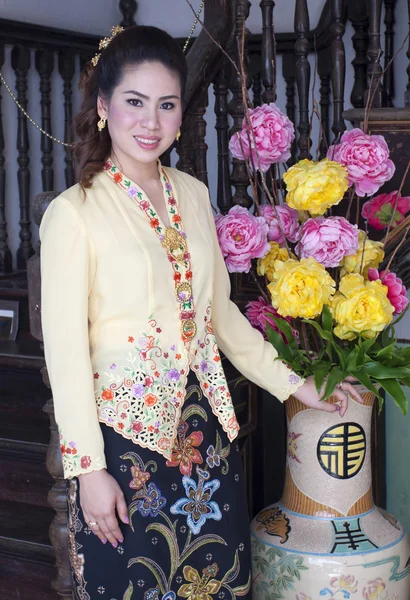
(372, 257)
(300, 289)
(266, 265)
(200, 588)
(360, 307)
(315, 186)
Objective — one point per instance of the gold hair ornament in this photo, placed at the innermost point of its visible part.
(105, 42)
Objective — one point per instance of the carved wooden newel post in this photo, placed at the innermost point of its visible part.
(57, 496)
(302, 47)
(5, 254)
(374, 53)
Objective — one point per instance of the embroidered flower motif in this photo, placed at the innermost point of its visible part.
(148, 381)
(107, 394)
(152, 503)
(137, 427)
(96, 375)
(200, 588)
(197, 506)
(113, 366)
(130, 339)
(139, 478)
(150, 400)
(213, 459)
(85, 462)
(138, 390)
(173, 375)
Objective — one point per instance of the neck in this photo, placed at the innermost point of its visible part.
(141, 173)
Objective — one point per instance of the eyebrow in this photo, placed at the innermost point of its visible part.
(170, 97)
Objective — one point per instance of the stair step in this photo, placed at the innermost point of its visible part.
(25, 523)
(26, 579)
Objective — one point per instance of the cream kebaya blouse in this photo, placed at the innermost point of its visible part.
(129, 307)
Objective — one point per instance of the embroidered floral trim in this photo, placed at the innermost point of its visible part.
(73, 461)
(173, 239)
(207, 365)
(142, 400)
(74, 527)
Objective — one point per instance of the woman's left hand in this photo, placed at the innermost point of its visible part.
(308, 395)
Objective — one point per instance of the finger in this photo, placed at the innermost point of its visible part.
(344, 402)
(108, 533)
(350, 389)
(122, 509)
(96, 529)
(326, 406)
(115, 530)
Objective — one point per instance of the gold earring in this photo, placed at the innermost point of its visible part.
(178, 135)
(102, 123)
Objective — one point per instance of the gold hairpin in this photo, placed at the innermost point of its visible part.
(106, 42)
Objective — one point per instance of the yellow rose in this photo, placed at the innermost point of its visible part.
(315, 186)
(372, 257)
(300, 289)
(360, 307)
(266, 265)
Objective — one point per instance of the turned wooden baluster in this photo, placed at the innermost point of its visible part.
(358, 14)
(186, 149)
(268, 66)
(45, 66)
(239, 176)
(66, 68)
(57, 496)
(407, 92)
(20, 62)
(289, 75)
(255, 71)
(201, 147)
(388, 78)
(302, 47)
(5, 254)
(128, 9)
(324, 69)
(224, 194)
(374, 53)
(338, 66)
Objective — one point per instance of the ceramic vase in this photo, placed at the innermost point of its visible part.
(326, 538)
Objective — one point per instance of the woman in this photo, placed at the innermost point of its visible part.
(135, 305)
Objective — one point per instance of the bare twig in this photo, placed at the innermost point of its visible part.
(403, 239)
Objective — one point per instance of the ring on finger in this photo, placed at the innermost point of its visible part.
(339, 385)
(93, 524)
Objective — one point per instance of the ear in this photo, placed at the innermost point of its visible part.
(101, 107)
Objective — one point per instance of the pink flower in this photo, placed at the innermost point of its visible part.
(375, 590)
(242, 237)
(328, 240)
(366, 158)
(259, 314)
(273, 133)
(396, 291)
(289, 220)
(379, 210)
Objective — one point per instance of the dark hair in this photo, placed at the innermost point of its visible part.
(133, 46)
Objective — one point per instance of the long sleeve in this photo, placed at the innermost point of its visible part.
(67, 270)
(241, 343)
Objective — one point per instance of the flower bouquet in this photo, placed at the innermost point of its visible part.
(324, 305)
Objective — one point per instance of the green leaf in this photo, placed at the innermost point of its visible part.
(367, 344)
(335, 376)
(286, 329)
(277, 342)
(327, 319)
(394, 389)
(351, 361)
(327, 335)
(387, 352)
(379, 371)
(319, 375)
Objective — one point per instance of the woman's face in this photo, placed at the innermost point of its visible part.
(143, 114)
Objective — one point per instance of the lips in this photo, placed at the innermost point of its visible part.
(147, 142)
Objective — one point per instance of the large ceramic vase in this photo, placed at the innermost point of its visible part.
(326, 538)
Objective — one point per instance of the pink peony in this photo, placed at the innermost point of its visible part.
(328, 240)
(366, 158)
(241, 237)
(273, 133)
(289, 220)
(259, 314)
(379, 210)
(396, 291)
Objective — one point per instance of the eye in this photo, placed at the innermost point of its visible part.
(167, 105)
(134, 102)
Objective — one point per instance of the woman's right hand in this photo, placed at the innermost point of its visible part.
(101, 499)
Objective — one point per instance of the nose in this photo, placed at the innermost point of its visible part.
(150, 119)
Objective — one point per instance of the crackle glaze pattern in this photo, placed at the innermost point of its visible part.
(326, 538)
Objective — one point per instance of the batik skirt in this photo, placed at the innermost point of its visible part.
(188, 535)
